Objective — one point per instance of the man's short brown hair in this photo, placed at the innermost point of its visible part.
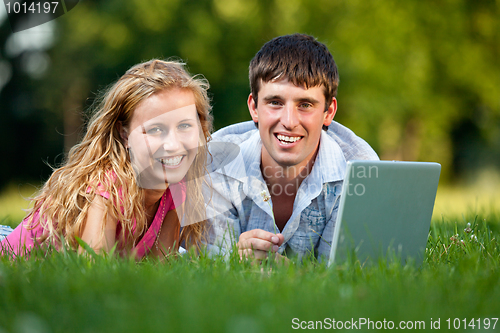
(299, 58)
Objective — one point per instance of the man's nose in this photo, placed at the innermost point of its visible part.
(290, 117)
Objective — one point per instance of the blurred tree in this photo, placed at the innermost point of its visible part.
(419, 79)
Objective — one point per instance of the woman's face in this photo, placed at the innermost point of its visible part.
(163, 138)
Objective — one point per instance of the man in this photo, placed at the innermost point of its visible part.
(280, 191)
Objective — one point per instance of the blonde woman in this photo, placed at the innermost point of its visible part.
(136, 176)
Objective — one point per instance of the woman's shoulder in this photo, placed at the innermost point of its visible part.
(103, 183)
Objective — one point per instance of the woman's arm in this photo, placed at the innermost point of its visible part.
(92, 232)
(168, 239)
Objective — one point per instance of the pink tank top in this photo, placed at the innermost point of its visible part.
(22, 240)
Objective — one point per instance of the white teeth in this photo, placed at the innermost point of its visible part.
(288, 139)
(173, 161)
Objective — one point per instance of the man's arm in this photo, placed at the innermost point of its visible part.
(222, 217)
(353, 147)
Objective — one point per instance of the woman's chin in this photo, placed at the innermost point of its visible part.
(157, 180)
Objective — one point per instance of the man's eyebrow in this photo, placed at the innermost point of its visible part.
(307, 99)
(297, 100)
(271, 97)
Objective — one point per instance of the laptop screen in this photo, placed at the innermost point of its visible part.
(385, 209)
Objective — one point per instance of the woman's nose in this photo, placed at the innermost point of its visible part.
(171, 142)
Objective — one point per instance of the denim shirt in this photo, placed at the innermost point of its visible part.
(237, 203)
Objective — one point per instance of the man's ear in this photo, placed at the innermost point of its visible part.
(123, 133)
(330, 112)
(252, 107)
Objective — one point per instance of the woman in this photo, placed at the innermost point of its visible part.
(135, 176)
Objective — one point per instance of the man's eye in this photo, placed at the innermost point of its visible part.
(274, 103)
(305, 105)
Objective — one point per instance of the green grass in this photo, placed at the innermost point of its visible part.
(64, 292)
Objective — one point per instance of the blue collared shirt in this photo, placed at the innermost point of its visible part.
(237, 203)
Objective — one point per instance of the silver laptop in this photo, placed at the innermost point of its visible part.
(385, 211)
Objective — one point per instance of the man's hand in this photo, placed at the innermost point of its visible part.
(257, 243)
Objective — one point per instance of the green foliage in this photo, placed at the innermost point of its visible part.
(61, 291)
(419, 80)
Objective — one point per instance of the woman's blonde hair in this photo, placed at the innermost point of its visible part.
(101, 159)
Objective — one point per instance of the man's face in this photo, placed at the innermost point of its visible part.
(164, 137)
(290, 121)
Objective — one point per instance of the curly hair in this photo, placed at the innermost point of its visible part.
(64, 200)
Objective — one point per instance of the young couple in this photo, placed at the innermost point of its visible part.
(135, 181)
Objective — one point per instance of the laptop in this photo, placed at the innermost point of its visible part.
(385, 211)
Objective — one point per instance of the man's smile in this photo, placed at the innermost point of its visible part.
(286, 139)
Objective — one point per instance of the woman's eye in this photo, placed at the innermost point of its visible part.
(153, 131)
(184, 126)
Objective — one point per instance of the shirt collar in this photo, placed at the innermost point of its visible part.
(247, 162)
(329, 166)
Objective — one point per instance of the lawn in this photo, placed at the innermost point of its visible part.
(457, 286)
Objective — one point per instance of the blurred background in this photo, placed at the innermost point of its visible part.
(419, 80)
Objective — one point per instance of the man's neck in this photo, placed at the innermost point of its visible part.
(283, 183)
(291, 176)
